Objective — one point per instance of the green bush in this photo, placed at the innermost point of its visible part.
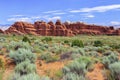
(16, 45)
(73, 76)
(115, 71)
(107, 60)
(75, 67)
(32, 76)
(14, 76)
(115, 46)
(57, 49)
(25, 68)
(93, 54)
(66, 42)
(48, 57)
(40, 46)
(26, 39)
(78, 43)
(98, 43)
(78, 50)
(21, 55)
(1, 64)
(2, 39)
(47, 39)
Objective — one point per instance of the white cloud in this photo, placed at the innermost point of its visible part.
(20, 19)
(52, 11)
(88, 15)
(35, 17)
(97, 9)
(115, 22)
(26, 18)
(53, 18)
(59, 13)
(18, 15)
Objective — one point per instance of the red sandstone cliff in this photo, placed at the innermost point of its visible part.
(1, 31)
(60, 29)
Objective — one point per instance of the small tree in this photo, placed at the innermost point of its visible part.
(26, 39)
(98, 43)
(78, 43)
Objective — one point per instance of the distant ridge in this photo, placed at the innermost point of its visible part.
(59, 29)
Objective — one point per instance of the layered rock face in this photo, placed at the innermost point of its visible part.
(1, 31)
(40, 28)
(81, 28)
(60, 29)
(22, 28)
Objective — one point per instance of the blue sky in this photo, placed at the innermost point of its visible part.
(102, 12)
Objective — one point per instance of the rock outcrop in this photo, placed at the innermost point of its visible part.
(1, 31)
(60, 29)
(22, 28)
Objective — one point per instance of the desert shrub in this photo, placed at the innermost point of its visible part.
(14, 76)
(78, 43)
(97, 43)
(74, 52)
(66, 42)
(32, 76)
(16, 45)
(87, 60)
(76, 70)
(1, 52)
(101, 50)
(58, 75)
(90, 48)
(66, 55)
(115, 46)
(93, 48)
(93, 54)
(75, 67)
(40, 46)
(108, 52)
(1, 63)
(47, 39)
(115, 71)
(107, 60)
(21, 55)
(78, 50)
(2, 39)
(26, 39)
(73, 76)
(48, 57)
(57, 49)
(106, 47)
(25, 68)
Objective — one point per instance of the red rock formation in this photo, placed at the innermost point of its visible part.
(1, 31)
(22, 28)
(51, 29)
(81, 28)
(60, 29)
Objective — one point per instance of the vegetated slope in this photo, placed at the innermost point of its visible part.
(59, 58)
(60, 29)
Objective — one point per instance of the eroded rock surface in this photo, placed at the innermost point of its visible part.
(60, 29)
